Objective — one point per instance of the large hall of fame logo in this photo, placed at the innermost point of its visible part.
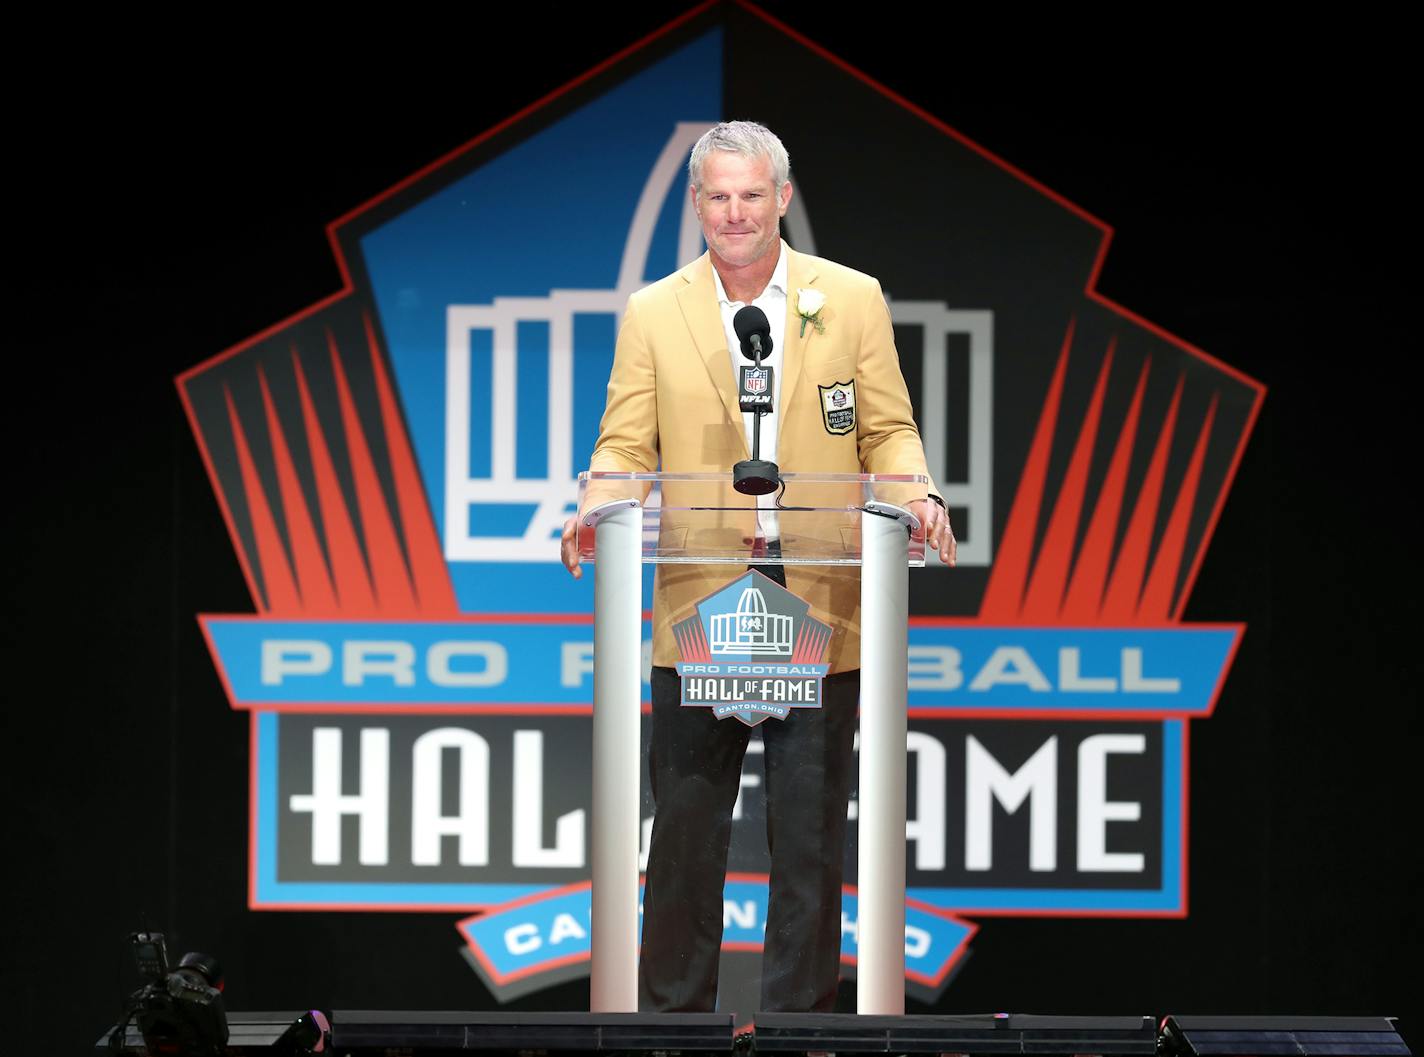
(394, 465)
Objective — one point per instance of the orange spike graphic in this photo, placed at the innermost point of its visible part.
(427, 561)
(353, 585)
(282, 598)
(1050, 572)
(1120, 603)
(394, 596)
(1156, 601)
(318, 599)
(810, 644)
(1010, 569)
(1090, 572)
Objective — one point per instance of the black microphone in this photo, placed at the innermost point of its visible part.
(753, 331)
(755, 476)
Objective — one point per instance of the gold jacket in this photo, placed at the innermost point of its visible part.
(672, 400)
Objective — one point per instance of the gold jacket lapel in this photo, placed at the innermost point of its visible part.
(800, 272)
(698, 301)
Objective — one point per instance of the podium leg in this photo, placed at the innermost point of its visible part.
(617, 763)
(884, 656)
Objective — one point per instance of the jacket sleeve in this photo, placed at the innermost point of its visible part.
(628, 434)
(886, 434)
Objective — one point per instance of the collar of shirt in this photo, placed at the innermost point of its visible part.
(777, 282)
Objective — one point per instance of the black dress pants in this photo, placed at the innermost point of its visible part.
(695, 763)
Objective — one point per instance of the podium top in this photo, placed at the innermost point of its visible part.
(699, 518)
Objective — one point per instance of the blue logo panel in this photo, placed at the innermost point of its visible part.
(404, 664)
(269, 891)
(1168, 898)
(1146, 671)
(534, 935)
(537, 934)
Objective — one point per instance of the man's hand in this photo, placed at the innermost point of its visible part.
(569, 548)
(938, 534)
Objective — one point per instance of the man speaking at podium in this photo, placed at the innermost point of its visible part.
(672, 398)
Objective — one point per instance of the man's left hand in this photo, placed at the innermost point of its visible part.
(938, 534)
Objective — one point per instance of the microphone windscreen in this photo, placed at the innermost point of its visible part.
(748, 321)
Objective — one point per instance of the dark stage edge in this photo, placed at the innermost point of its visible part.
(366, 1031)
(987, 1033)
(254, 1033)
(1206, 1036)
(410, 1033)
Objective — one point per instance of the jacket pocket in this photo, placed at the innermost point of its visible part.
(841, 369)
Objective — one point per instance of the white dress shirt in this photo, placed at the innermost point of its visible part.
(772, 301)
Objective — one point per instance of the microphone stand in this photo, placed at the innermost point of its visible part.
(756, 476)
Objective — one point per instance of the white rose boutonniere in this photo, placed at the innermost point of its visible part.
(808, 306)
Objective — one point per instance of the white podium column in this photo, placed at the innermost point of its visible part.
(884, 654)
(617, 760)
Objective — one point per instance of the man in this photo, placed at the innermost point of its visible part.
(672, 399)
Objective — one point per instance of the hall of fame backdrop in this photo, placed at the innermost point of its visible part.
(394, 465)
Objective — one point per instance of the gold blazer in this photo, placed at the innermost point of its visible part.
(672, 400)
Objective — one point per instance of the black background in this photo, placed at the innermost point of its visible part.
(170, 201)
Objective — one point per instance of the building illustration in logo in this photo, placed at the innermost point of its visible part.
(751, 629)
(394, 464)
(479, 522)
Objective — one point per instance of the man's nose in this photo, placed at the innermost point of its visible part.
(734, 209)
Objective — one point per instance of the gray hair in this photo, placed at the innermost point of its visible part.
(746, 138)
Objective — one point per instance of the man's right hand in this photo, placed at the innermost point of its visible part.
(569, 548)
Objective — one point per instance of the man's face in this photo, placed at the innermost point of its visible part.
(740, 207)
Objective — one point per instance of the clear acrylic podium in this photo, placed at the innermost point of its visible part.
(819, 519)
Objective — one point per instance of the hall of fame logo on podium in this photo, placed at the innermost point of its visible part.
(752, 650)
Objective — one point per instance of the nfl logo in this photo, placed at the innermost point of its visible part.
(756, 380)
